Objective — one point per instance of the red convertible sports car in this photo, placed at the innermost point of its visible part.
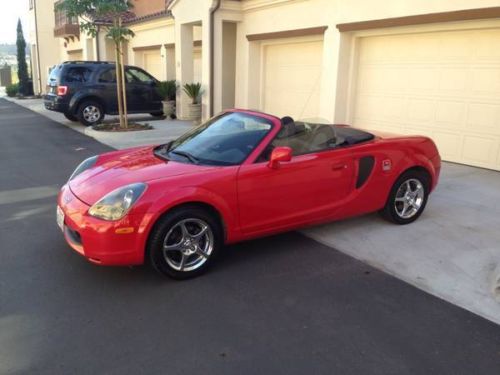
(241, 175)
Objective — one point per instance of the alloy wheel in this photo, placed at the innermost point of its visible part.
(91, 113)
(409, 198)
(188, 245)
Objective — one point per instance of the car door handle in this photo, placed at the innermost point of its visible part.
(339, 166)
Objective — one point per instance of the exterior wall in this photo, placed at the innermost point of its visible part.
(49, 45)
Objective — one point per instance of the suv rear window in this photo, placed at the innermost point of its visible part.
(77, 74)
(54, 74)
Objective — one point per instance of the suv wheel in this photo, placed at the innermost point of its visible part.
(70, 116)
(90, 113)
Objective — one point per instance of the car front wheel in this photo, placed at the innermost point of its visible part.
(184, 242)
(90, 113)
(408, 198)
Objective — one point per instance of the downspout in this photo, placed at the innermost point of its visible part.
(212, 55)
(37, 51)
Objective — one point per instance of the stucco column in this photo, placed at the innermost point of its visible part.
(183, 64)
(170, 61)
(329, 74)
(218, 63)
(205, 67)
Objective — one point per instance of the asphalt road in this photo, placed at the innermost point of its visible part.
(280, 305)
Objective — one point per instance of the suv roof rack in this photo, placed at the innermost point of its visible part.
(86, 62)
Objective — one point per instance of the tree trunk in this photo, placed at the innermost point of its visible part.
(119, 90)
(124, 88)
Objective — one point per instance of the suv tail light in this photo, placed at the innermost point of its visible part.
(62, 90)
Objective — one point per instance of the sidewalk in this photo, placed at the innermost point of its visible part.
(164, 130)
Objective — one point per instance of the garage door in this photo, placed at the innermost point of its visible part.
(445, 85)
(292, 78)
(76, 55)
(152, 63)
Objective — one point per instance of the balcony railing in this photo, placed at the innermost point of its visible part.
(65, 27)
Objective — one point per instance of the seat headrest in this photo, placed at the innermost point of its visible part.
(288, 127)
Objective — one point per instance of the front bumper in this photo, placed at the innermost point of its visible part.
(111, 243)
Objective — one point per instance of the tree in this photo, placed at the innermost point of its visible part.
(22, 67)
(105, 15)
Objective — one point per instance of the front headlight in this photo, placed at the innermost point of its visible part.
(84, 165)
(115, 205)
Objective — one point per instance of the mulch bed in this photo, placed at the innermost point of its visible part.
(115, 127)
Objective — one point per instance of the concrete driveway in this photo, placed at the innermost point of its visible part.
(452, 251)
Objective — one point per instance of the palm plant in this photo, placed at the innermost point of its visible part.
(168, 89)
(193, 91)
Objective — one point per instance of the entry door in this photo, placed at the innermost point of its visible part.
(302, 190)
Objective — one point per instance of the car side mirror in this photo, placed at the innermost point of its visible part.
(279, 155)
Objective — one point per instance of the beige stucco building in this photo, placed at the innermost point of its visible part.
(406, 66)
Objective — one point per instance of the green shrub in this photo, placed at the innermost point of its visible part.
(168, 89)
(193, 91)
(12, 90)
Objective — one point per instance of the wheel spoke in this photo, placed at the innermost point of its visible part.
(198, 235)
(174, 247)
(401, 199)
(185, 232)
(200, 252)
(405, 208)
(408, 187)
(183, 262)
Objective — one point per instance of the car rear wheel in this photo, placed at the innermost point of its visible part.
(70, 117)
(90, 113)
(408, 198)
(184, 243)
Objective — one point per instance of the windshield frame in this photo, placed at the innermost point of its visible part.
(164, 151)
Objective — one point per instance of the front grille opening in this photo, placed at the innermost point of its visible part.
(74, 236)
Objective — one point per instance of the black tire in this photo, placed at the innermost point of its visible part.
(157, 114)
(396, 203)
(70, 117)
(94, 118)
(169, 227)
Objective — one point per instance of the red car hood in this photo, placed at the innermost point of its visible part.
(120, 168)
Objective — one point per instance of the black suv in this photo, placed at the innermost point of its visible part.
(86, 90)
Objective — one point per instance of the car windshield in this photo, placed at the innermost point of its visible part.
(227, 139)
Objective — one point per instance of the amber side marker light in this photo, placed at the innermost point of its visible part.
(124, 230)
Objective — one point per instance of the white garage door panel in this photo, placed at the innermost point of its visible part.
(153, 64)
(445, 85)
(292, 78)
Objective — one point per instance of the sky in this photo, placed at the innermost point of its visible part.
(10, 11)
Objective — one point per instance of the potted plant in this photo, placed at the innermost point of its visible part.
(168, 91)
(193, 91)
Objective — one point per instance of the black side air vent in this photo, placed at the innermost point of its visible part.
(366, 164)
